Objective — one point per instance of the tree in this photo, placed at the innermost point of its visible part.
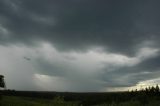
(2, 83)
(157, 89)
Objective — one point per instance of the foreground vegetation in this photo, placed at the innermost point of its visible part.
(146, 97)
(26, 101)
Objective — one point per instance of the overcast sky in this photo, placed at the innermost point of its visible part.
(79, 45)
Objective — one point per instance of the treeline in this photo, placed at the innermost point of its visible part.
(142, 96)
(149, 90)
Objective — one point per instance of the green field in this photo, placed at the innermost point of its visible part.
(58, 101)
(26, 101)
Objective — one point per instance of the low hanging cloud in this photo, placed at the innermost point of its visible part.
(79, 45)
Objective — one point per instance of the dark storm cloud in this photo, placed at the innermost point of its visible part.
(121, 27)
(78, 24)
(130, 76)
(151, 64)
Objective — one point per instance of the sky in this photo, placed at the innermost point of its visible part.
(79, 45)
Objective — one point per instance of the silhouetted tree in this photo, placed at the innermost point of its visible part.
(157, 89)
(2, 83)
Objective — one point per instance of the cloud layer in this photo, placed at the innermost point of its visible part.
(79, 45)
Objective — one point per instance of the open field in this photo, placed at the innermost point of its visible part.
(27, 101)
(148, 97)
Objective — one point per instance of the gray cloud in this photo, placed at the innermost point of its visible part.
(78, 25)
(129, 76)
(103, 41)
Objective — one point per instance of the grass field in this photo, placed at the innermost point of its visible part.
(26, 101)
(58, 101)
